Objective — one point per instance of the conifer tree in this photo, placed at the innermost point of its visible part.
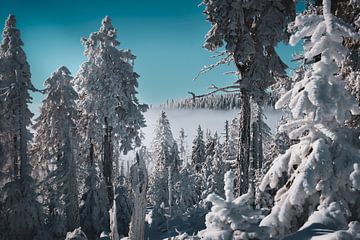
(319, 189)
(111, 112)
(210, 143)
(165, 155)
(55, 129)
(22, 213)
(249, 32)
(198, 150)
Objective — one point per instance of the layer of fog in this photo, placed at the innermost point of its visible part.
(191, 119)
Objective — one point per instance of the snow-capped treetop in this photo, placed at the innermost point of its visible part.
(56, 120)
(163, 143)
(163, 131)
(12, 54)
(11, 36)
(198, 150)
(105, 38)
(15, 81)
(107, 84)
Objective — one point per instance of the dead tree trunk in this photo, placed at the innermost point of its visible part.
(139, 184)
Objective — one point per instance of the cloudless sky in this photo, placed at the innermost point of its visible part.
(166, 37)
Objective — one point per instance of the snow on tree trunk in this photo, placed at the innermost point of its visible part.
(139, 182)
(170, 186)
(319, 189)
(77, 234)
(114, 235)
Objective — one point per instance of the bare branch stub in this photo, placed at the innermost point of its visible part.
(227, 89)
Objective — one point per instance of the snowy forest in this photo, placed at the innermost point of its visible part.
(65, 173)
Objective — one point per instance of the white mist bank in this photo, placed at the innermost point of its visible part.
(190, 119)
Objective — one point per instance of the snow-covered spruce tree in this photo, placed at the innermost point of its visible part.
(230, 146)
(216, 168)
(162, 149)
(162, 143)
(22, 213)
(210, 143)
(94, 216)
(55, 129)
(176, 160)
(198, 150)
(139, 184)
(198, 161)
(232, 218)
(184, 193)
(319, 188)
(107, 83)
(249, 31)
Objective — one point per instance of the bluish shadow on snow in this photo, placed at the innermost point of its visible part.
(315, 229)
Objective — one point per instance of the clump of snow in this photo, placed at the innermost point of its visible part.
(77, 234)
(232, 218)
(355, 177)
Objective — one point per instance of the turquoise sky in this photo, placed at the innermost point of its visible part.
(166, 37)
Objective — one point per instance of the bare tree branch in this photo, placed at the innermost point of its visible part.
(227, 89)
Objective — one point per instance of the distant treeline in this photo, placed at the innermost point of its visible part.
(217, 101)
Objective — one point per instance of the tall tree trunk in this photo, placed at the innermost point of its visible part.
(254, 159)
(244, 141)
(139, 184)
(72, 205)
(254, 145)
(260, 139)
(22, 131)
(107, 162)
